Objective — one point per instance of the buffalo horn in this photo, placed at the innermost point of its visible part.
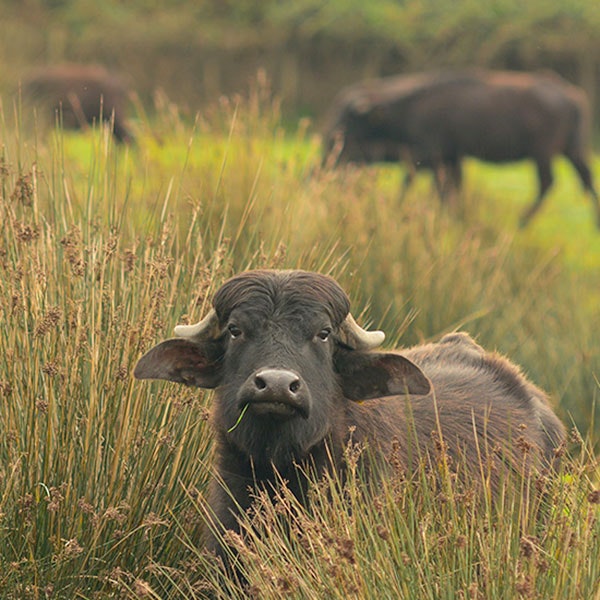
(206, 329)
(356, 337)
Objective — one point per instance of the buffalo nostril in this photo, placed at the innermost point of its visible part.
(295, 386)
(260, 383)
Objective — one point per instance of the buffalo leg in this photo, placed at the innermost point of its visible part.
(406, 157)
(585, 175)
(439, 177)
(407, 181)
(448, 179)
(455, 171)
(544, 170)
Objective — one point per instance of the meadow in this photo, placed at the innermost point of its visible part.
(104, 249)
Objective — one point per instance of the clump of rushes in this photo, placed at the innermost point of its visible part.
(421, 536)
(104, 249)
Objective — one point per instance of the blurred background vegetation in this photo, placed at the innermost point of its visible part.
(197, 50)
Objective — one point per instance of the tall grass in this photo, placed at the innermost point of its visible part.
(103, 250)
(419, 536)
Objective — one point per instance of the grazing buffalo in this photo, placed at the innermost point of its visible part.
(296, 378)
(433, 120)
(78, 95)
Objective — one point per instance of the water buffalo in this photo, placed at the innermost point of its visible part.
(433, 120)
(296, 378)
(78, 95)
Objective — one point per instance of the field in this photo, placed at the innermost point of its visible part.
(104, 249)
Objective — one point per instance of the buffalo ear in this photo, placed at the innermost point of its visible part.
(183, 361)
(366, 375)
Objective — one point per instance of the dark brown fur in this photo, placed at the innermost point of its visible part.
(78, 95)
(473, 390)
(490, 417)
(433, 120)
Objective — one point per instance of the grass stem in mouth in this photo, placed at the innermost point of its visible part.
(239, 419)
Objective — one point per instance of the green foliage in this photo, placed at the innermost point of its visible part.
(406, 22)
(186, 46)
(104, 249)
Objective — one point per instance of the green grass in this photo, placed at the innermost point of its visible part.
(104, 249)
(566, 220)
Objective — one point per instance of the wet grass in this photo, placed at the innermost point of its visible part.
(104, 249)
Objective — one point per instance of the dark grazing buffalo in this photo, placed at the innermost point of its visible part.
(433, 120)
(78, 95)
(296, 378)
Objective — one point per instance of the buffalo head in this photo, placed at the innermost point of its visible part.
(284, 354)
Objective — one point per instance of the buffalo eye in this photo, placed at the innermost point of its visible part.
(234, 331)
(324, 334)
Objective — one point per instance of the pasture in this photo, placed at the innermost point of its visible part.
(104, 249)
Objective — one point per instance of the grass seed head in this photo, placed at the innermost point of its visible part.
(528, 546)
(49, 321)
(525, 587)
(26, 233)
(24, 190)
